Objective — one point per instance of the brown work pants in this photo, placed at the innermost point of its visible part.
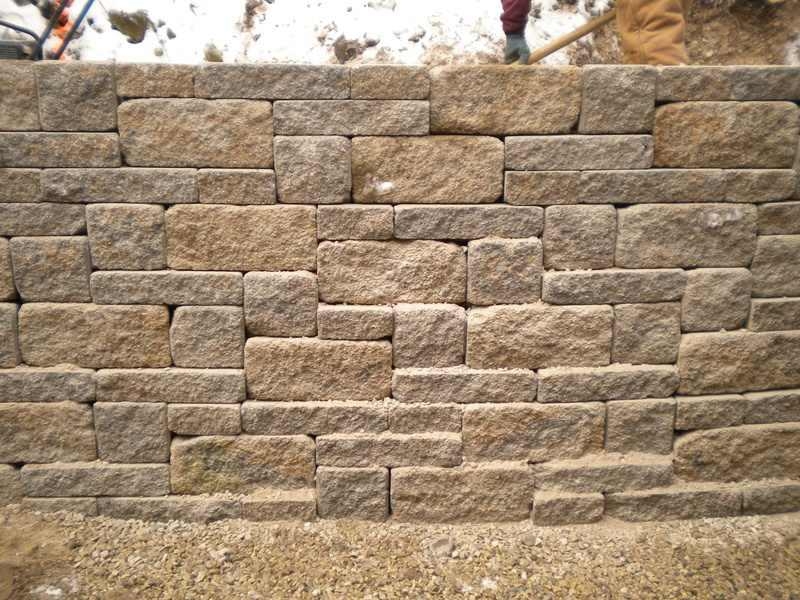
(653, 31)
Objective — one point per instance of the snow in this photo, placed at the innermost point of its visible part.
(305, 31)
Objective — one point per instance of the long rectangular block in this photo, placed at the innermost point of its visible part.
(422, 418)
(351, 117)
(34, 149)
(604, 473)
(154, 80)
(204, 419)
(352, 322)
(709, 412)
(236, 186)
(184, 386)
(81, 506)
(124, 185)
(615, 382)
(779, 406)
(52, 384)
(313, 418)
(196, 509)
(463, 386)
(389, 82)
(280, 505)
(94, 479)
(355, 222)
(20, 185)
(433, 222)
(167, 287)
(774, 314)
(613, 286)
(678, 502)
(578, 152)
(41, 219)
(46, 432)
(771, 498)
(389, 450)
(272, 81)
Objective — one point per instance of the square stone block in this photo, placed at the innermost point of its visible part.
(281, 304)
(207, 337)
(51, 269)
(429, 335)
(312, 169)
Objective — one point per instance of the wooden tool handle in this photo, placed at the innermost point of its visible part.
(568, 38)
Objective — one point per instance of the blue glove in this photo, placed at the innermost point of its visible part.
(517, 48)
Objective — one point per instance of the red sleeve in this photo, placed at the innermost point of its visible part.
(515, 15)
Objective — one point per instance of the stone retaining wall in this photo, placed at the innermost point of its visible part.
(468, 294)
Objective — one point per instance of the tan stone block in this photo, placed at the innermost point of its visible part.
(280, 505)
(191, 132)
(123, 186)
(772, 407)
(715, 299)
(686, 83)
(236, 186)
(759, 185)
(51, 269)
(353, 493)
(604, 473)
(499, 101)
(709, 412)
(640, 426)
(646, 333)
(20, 185)
(19, 110)
(207, 337)
(313, 369)
(543, 188)
(389, 82)
(558, 508)
(579, 237)
(389, 449)
(678, 502)
(10, 485)
(420, 222)
(502, 271)
(184, 386)
(243, 238)
(281, 304)
(348, 322)
(313, 418)
(428, 170)
(94, 479)
(762, 82)
(94, 336)
(38, 432)
(204, 419)
(242, 463)
(131, 432)
(578, 152)
(423, 418)
(123, 236)
(615, 382)
(272, 81)
(154, 80)
(776, 266)
(355, 222)
(33, 149)
(196, 509)
(462, 385)
(166, 287)
(367, 272)
(312, 169)
(617, 99)
(9, 345)
(351, 117)
(531, 336)
(76, 96)
(81, 506)
(428, 335)
(779, 219)
(7, 289)
(774, 314)
(771, 498)
(56, 384)
(41, 219)
(613, 286)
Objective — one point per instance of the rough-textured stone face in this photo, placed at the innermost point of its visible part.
(281, 304)
(389, 450)
(20, 185)
(646, 333)
(126, 236)
(737, 453)
(709, 412)
(35, 149)
(532, 336)
(272, 82)
(166, 287)
(351, 117)
(616, 382)
(418, 222)
(708, 235)
(236, 186)
(419, 418)
(462, 385)
(7, 289)
(313, 418)
(353, 222)
(246, 238)
(237, 464)
(616, 286)
(770, 499)
(94, 336)
(776, 266)
(619, 99)
(759, 185)
(95, 479)
(498, 492)
(712, 363)
(51, 432)
(196, 133)
(58, 384)
(125, 185)
(346, 322)
(578, 152)
(51, 269)
(604, 473)
(679, 502)
(558, 508)
(353, 493)
(154, 80)
(9, 346)
(81, 506)
(716, 299)
(280, 505)
(684, 83)
(781, 406)
(204, 419)
(207, 337)
(186, 386)
(430, 170)
(726, 135)
(77, 96)
(640, 426)
(313, 369)
(428, 335)
(131, 432)
(312, 169)
(495, 100)
(774, 314)
(10, 485)
(579, 237)
(18, 81)
(532, 432)
(196, 509)
(503, 271)
(779, 219)
(366, 272)
(389, 82)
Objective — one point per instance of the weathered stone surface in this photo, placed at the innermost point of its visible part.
(236, 186)
(353, 222)
(774, 314)
(185, 386)
(82, 506)
(76, 96)
(604, 473)
(123, 236)
(558, 508)
(124, 185)
(313, 418)
(94, 336)
(415, 222)
(7, 289)
(707, 235)
(731, 135)
(773, 407)
(243, 238)
(779, 219)
(190, 132)
(421, 418)
(543, 188)
(94, 479)
(9, 345)
(713, 363)
(579, 237)
(19, 110)
(280, 505)
(197, 509)
(20, 185)
(640, 426)
(617, 99)
(207, 337)
(41, 219)
(462, 385)
(578, 152)
(759, 185)
(351, 117)
(281, 304)
(312, 169)
(687, 83)
(503, 271)
(679, 502)
(771, 498)
(347, 322)
(615, 286)
(532, 336)
(646, 333)
(38, 432)
(532, 432)
(716, 299)
(496, 100)
(272, 81)
(773, 82)
(709, 412)
(498, 492)
(242, 463)
(51, 269)
(428, 335)
(353, 493)
(166, 287)
(429, 170)
(389, 82)
(616, 382)
(58, 384)
(10, 485)
(131, 432)
(367, 272)
(35, 149)
(737, 453)
(154, 80)
(204, 419)
(313, 369)
(776, 266)
(389, 450)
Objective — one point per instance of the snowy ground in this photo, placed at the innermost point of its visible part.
(309, 31)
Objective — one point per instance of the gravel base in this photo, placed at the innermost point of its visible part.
(64, 555)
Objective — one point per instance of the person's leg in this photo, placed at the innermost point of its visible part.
(653, 31)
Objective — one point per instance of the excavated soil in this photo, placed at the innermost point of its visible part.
(53, 556)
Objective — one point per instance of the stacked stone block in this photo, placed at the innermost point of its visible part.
(459, 294)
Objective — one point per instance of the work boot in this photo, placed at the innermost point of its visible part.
(653, 31)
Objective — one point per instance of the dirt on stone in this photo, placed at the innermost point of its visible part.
(64, 555)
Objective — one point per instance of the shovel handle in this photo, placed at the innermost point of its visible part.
(568, 38)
